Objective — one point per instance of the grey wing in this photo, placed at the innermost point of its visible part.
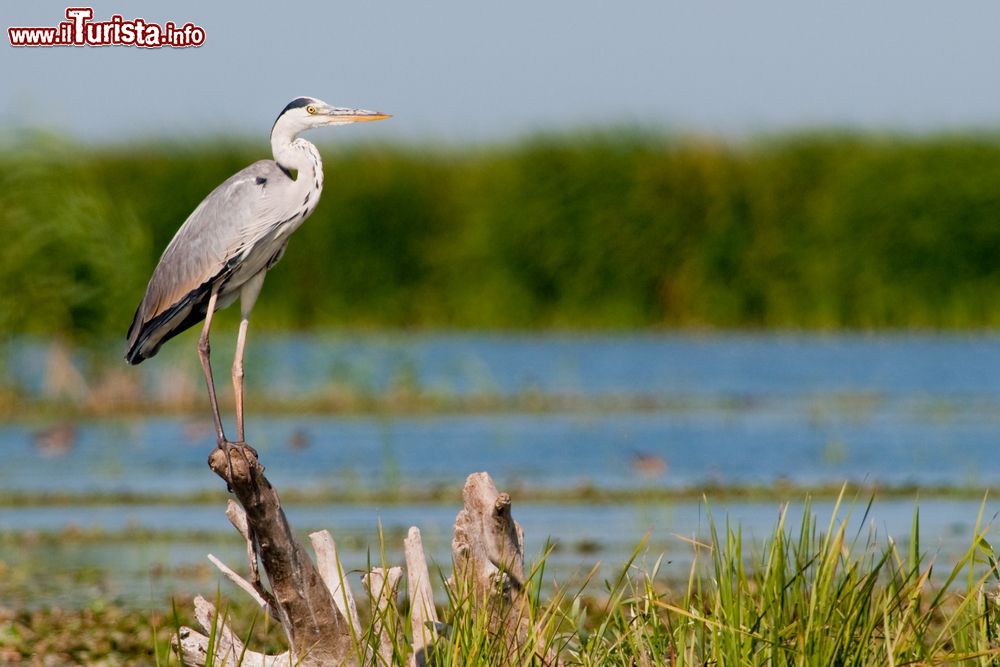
(209, 250)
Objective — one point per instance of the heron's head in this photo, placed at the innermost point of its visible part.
(304, 113)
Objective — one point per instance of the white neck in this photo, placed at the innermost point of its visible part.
(297, 154)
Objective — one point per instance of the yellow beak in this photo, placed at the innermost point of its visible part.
(355, 115)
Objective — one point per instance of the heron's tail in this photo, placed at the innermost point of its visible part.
(146, 338)
(139, 332)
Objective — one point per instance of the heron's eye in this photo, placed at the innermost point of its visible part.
(311, 109)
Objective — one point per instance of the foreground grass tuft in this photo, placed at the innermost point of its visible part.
(833, 593)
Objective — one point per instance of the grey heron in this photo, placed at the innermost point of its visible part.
(226, 246)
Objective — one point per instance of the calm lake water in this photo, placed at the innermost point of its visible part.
(676, 411)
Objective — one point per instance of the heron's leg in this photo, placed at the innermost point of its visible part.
(241, 340)
(204, 352)
(248, 296)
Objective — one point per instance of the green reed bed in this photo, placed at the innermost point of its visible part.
(614, 230)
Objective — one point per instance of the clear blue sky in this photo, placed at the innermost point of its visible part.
(477, 71)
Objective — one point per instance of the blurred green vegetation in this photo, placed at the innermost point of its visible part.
(588, 231)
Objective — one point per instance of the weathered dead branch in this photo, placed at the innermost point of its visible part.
(333, 576)
(318, 633)
(423, 615)
(315, 605)
(228, 649)
(382, 585)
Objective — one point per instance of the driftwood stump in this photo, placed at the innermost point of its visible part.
(488, 550)
(314, 603)
(316, 626)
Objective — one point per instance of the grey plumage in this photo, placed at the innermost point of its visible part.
(239, 230)
(225, 247)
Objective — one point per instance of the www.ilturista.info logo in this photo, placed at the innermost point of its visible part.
(80, 30)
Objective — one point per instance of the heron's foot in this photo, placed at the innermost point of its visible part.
(243, 449)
